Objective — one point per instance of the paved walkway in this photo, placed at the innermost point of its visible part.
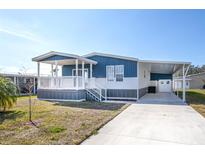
(161, 98)
(153, 124)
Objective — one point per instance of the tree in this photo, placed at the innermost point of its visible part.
(29, 86)
(8, 94)
(29, 89)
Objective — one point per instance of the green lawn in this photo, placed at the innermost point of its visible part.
(196, 99)
(54, 123)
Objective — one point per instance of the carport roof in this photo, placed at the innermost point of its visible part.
(164, 67)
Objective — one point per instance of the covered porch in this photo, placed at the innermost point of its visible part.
(80, 78)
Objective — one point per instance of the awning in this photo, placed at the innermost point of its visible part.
(61, 58)
(164, 67)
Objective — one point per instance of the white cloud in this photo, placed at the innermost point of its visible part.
(21, 34)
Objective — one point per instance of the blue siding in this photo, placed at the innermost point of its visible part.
(157, 76)
(56, 57)
(99, 70)
(67, 69)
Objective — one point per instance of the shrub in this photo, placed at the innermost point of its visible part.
(8, 94)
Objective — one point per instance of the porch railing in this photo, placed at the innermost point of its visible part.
(68, 82)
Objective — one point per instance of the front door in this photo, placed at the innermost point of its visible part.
(165, 86)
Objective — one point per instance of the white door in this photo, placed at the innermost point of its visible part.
(165, 86)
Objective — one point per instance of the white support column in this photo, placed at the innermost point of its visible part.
(56, 68)
(34, 85)
(15, 80)
(38, 76)
(138, 80)
(83, 75)
(52, 70)
(184, 93)
(38, 67)
(91, 70)
(76, 73)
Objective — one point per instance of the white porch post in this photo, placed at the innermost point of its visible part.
(34, 85)
(83, 75)
(184, 93)
(38, 75)
(52, 70)
(138, 80)
(91, 70)
(56, 69)
(15, 80)
(76, 73)
(38, 66)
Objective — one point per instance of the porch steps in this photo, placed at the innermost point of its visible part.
(95, 94)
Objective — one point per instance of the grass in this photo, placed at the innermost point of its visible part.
(55, 123)
(196, 99)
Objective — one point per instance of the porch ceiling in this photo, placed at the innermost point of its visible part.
(64, 62)
(164, 67)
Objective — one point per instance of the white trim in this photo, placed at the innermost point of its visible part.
(164, 62)
(110, 55)
(52, 53)
(60, 89)
(63, 100)
(123, 98)
(18, 75)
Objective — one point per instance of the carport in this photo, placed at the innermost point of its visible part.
(162, 74)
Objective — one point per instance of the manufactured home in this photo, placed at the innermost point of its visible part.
(104, 77)
(193, 81)
(20, 80)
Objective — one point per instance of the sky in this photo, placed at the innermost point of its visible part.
(177, 35)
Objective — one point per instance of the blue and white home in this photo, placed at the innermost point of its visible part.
(104, 77)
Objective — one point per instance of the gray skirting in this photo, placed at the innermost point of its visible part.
(61, 94)
(81, 94)
(127, 93)
(143, 91)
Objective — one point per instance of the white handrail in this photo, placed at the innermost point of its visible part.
(65, 82)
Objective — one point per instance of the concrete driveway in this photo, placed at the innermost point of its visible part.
(153, 124)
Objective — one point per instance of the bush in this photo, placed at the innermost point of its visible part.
(8, 94)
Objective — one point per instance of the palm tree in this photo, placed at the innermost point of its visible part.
(8, 94)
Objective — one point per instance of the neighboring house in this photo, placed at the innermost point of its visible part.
(178, 83)
(103, 77)
(20, 81)
(195, 81)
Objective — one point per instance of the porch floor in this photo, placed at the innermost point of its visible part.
(161, 98)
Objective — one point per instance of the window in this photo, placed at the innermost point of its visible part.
(144, 74)
(115, 73)
(80, 72)
(119, 72)
(110, 74)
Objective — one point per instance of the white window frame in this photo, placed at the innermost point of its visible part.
(107, 78)
(119, 73)
(78, 70)
(114, 68)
